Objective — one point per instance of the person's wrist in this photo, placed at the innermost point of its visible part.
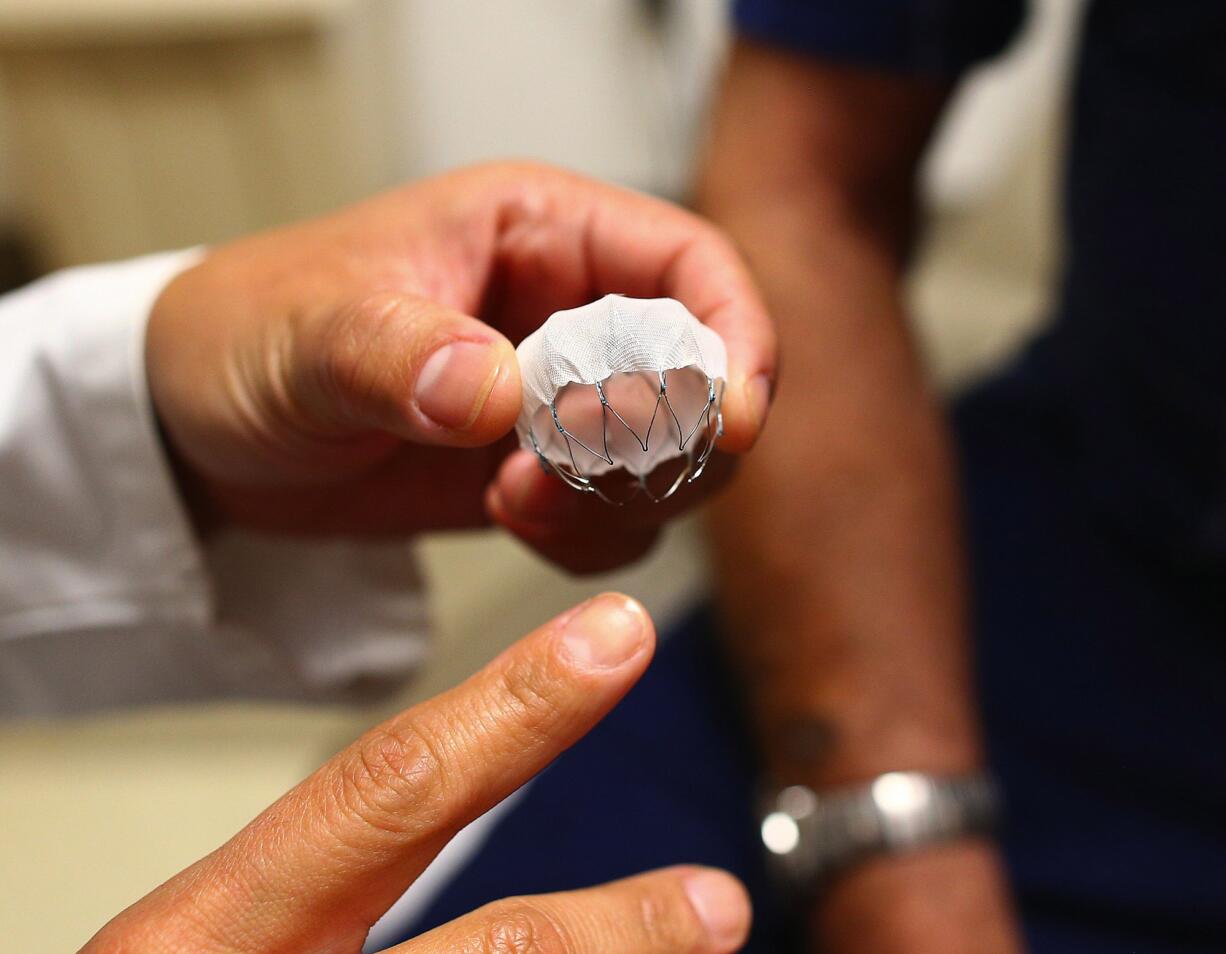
(949, 898)
(823, 751)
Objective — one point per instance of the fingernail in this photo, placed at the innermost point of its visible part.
(721, 906)
(757, 397)
(455, 382)
(606, 632)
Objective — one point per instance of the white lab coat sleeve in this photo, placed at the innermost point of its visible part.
(107, 598)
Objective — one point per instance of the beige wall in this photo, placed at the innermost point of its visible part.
(190, 126)
(168, 124)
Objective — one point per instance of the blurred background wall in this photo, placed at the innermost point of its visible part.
(133, 125)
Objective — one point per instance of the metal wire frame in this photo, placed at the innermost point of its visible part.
(710, 420)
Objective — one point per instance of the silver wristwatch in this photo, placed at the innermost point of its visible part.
(810, 836)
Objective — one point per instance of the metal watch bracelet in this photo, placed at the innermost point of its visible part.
(810, 836)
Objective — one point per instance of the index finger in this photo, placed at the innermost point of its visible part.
(561, 240)
(321, 865)
(644, 246)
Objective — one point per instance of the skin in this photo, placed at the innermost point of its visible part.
(288, 369)
(840, 563)
(297, 381)
(317, 868)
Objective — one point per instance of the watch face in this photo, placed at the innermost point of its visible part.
(905, 803)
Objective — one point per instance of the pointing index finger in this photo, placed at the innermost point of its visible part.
(325, 861)
(710, 278)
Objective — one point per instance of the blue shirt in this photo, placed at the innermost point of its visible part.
(1139, 349)
(936, 37)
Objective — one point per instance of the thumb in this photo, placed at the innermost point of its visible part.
(413, 368)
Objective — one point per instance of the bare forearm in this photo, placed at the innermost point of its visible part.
(842, 582)
(840, 565)
(838, 546)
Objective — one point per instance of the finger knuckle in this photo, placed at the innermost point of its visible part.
(351, 341)
(396, 781)
(517, 926)
(528, 703)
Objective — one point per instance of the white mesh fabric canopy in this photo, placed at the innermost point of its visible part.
(631, 339)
